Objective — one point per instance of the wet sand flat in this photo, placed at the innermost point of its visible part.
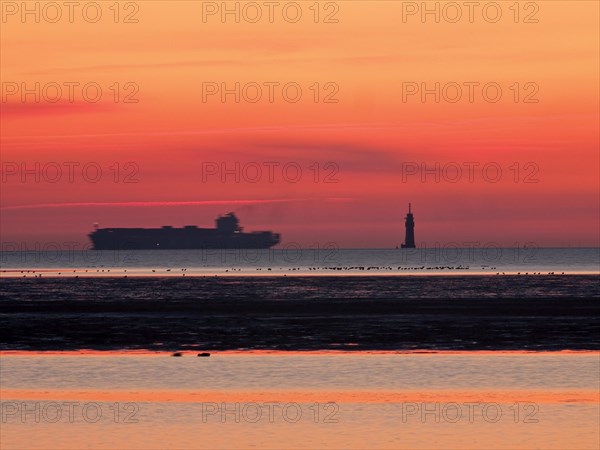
(311, 313)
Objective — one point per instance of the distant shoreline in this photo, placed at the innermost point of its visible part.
(130, 273)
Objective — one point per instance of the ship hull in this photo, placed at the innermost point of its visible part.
(160, 240)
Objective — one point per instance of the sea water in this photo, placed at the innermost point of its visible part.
(294, 260)
(487, 400)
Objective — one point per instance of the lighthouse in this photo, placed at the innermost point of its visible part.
(409, 239)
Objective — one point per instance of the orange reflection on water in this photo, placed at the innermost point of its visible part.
(284, 396)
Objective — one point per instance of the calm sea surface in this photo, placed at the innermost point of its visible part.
(294, 260)
(301, 401)
(290, 399)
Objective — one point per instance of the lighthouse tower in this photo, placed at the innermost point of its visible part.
(409, 239)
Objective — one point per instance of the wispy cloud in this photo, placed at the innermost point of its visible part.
(174, 203)
(25, 109)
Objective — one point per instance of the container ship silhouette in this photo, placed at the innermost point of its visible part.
(227, 235)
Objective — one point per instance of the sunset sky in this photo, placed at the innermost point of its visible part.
(357, 155)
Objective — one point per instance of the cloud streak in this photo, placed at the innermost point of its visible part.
(175, 203)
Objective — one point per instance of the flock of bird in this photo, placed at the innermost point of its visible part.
(325, 269)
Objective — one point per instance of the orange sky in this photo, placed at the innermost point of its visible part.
(370, 136)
